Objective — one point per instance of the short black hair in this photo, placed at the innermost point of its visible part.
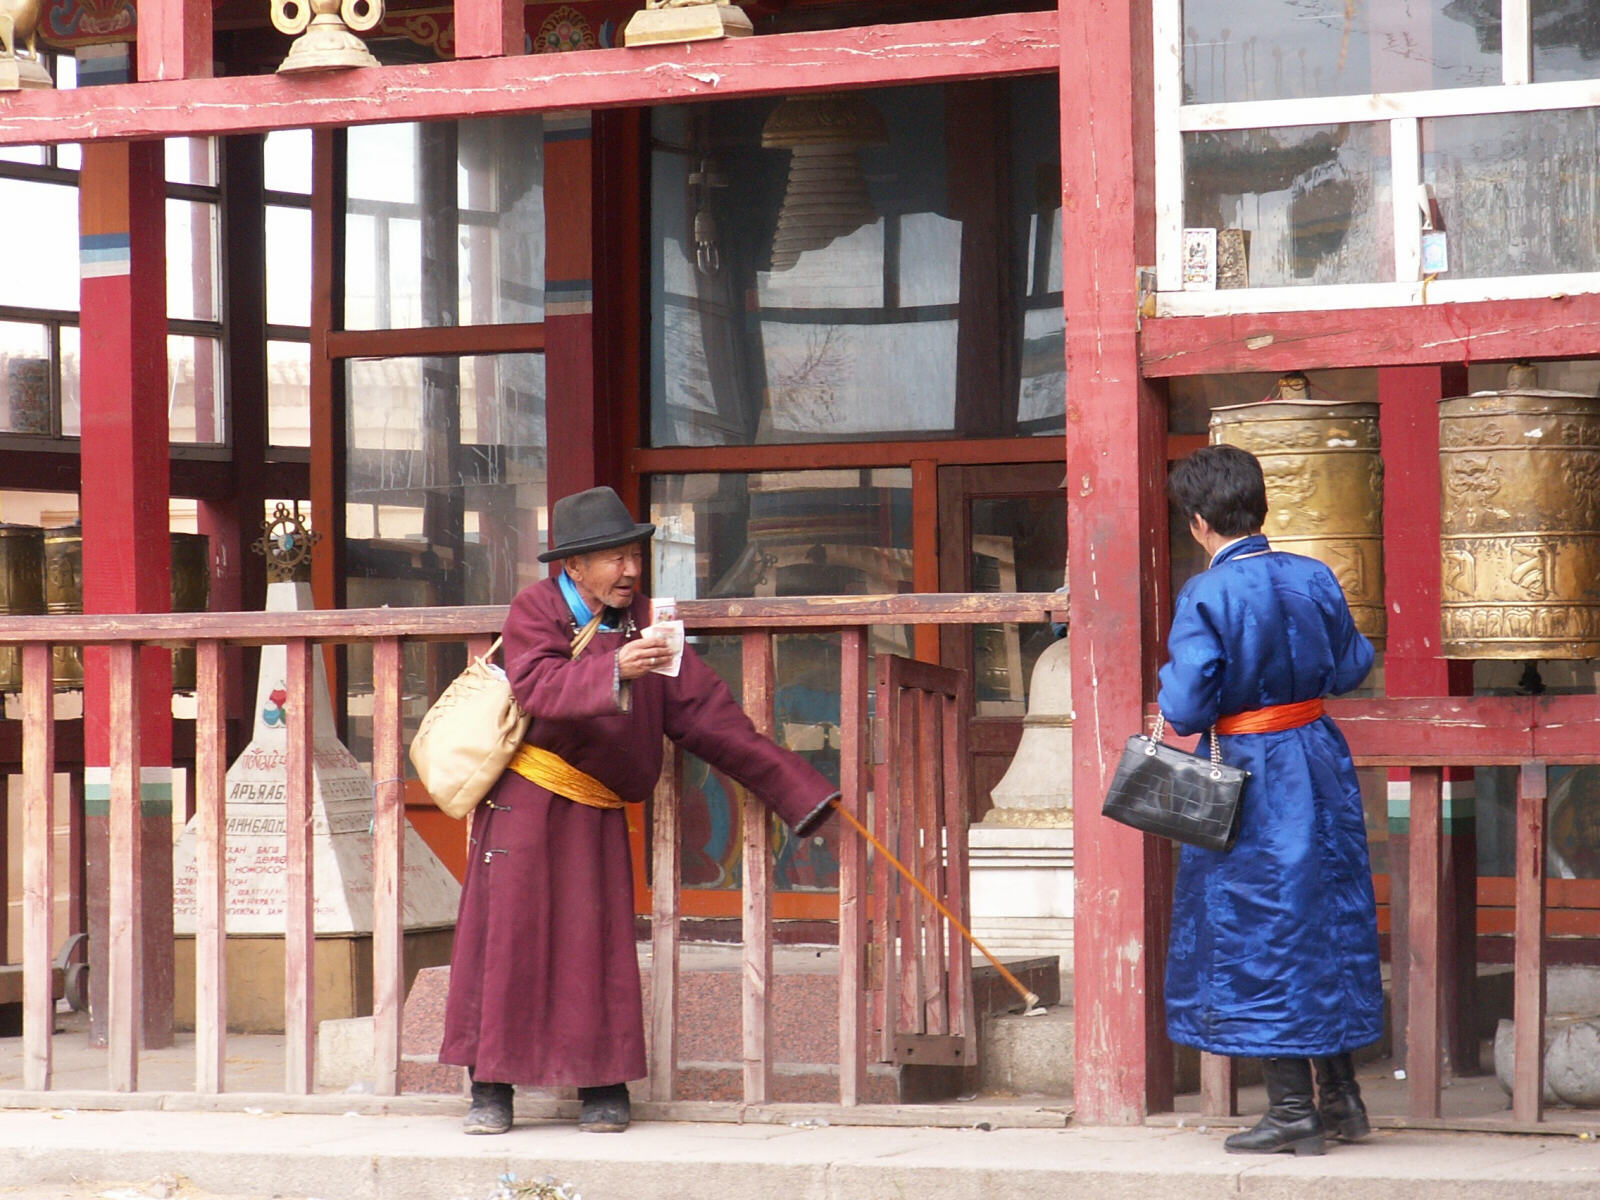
(1224, 485)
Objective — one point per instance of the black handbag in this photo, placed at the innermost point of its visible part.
(1170, 792)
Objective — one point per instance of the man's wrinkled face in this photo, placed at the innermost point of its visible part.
(608, 577)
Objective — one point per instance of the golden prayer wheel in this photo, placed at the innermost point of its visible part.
(21, 590)
(1519, 476)
(63, 594)
(191, 592)
(1324, 473)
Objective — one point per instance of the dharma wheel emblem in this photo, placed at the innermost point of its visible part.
(285, 543)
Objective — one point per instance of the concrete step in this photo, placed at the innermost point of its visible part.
(234, 1156)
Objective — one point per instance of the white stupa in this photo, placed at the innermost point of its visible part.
(341, 810)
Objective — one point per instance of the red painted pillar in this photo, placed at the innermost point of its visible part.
(126, 546)
(574, 458)
(1409, 415)
(1116, 517)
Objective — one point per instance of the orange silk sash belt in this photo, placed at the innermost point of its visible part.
(1273, 719)
(556, 774)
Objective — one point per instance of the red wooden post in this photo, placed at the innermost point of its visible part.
(388, 863)
(885, 901)
(1424, 1057)
(174, 39)
(666, 881)
(126, 543)
(299, 945)
(570, 367)
(1219, 1086)
(1409, 423)
(853, 768)
(1115, 519)
(38, 866)
(489, 28)
(210, 858)
(757, 993)
(126, 991)
(957, 808)
(1527, 1011)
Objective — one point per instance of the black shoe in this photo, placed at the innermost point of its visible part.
(1292, 1122)
(605, 1109)
(1339, 1099)
(491, 1108)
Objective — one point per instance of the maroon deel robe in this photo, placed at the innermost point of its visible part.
(544, 978)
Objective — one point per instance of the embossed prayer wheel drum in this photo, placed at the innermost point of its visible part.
(191, 592)
(63, 594)
(1520, 522)
(1324, 472)
(21, 590)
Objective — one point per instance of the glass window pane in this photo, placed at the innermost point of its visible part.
(289, 393)
(192, 261)
(25, 379)
(1516, 191)
(191, 160)
(194, 391)
(1281, 49)
(1566, 40)
(33, 155)
(445, 224)
(288, 266)
(1314, 201)
(790, 533)
(34, 277)
(287, 156)
(807, 273)
(1019, 544)
(71, 406)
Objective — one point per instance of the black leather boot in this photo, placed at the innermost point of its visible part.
(1292, 1122)
(1339, 1099)
(604, 1109)
(491, 1108)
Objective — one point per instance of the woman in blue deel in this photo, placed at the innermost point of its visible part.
(1274, 951)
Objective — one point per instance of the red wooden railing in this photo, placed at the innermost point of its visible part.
(756, 622)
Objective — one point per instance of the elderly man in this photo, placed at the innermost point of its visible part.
(544, 979)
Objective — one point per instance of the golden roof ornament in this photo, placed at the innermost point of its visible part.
(685, 21)
(19, 23)
(326, 41)
(285, 543)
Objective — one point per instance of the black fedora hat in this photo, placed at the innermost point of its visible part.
(593, 520)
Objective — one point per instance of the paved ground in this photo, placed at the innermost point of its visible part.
(155, 1155)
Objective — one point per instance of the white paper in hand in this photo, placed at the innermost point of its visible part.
(664, 621)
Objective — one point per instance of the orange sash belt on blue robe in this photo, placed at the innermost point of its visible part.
(1273, 719)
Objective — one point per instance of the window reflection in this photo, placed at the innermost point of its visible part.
(445, 224)
(194, 390)
(1280, 49)
(809, 284)
(1314, 201)
(789, 533)
(192, 268)
(34, 277)
(1566, 38)
(1516, 190)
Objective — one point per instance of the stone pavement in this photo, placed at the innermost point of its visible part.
(78, 1154)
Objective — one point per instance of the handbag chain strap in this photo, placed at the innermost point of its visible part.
(1155, 740)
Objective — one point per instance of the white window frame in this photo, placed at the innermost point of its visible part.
(1403, 112)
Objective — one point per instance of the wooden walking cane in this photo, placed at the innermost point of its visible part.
(1030, 1001)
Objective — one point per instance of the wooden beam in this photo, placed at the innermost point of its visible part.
(1114, 515)
(1527, 1006)
(299, 902)
(38, 869)
(854, 756)
(388, 863)
(1424, 1043)
(734, 68)
(673, 460)
(211, 864)
(174, 39)
(1557, 326)
(757, 991)
(437, 341)
(488, 28)
(1219, 1086)
(665, 881)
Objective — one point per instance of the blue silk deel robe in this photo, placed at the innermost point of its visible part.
(1274, 949)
